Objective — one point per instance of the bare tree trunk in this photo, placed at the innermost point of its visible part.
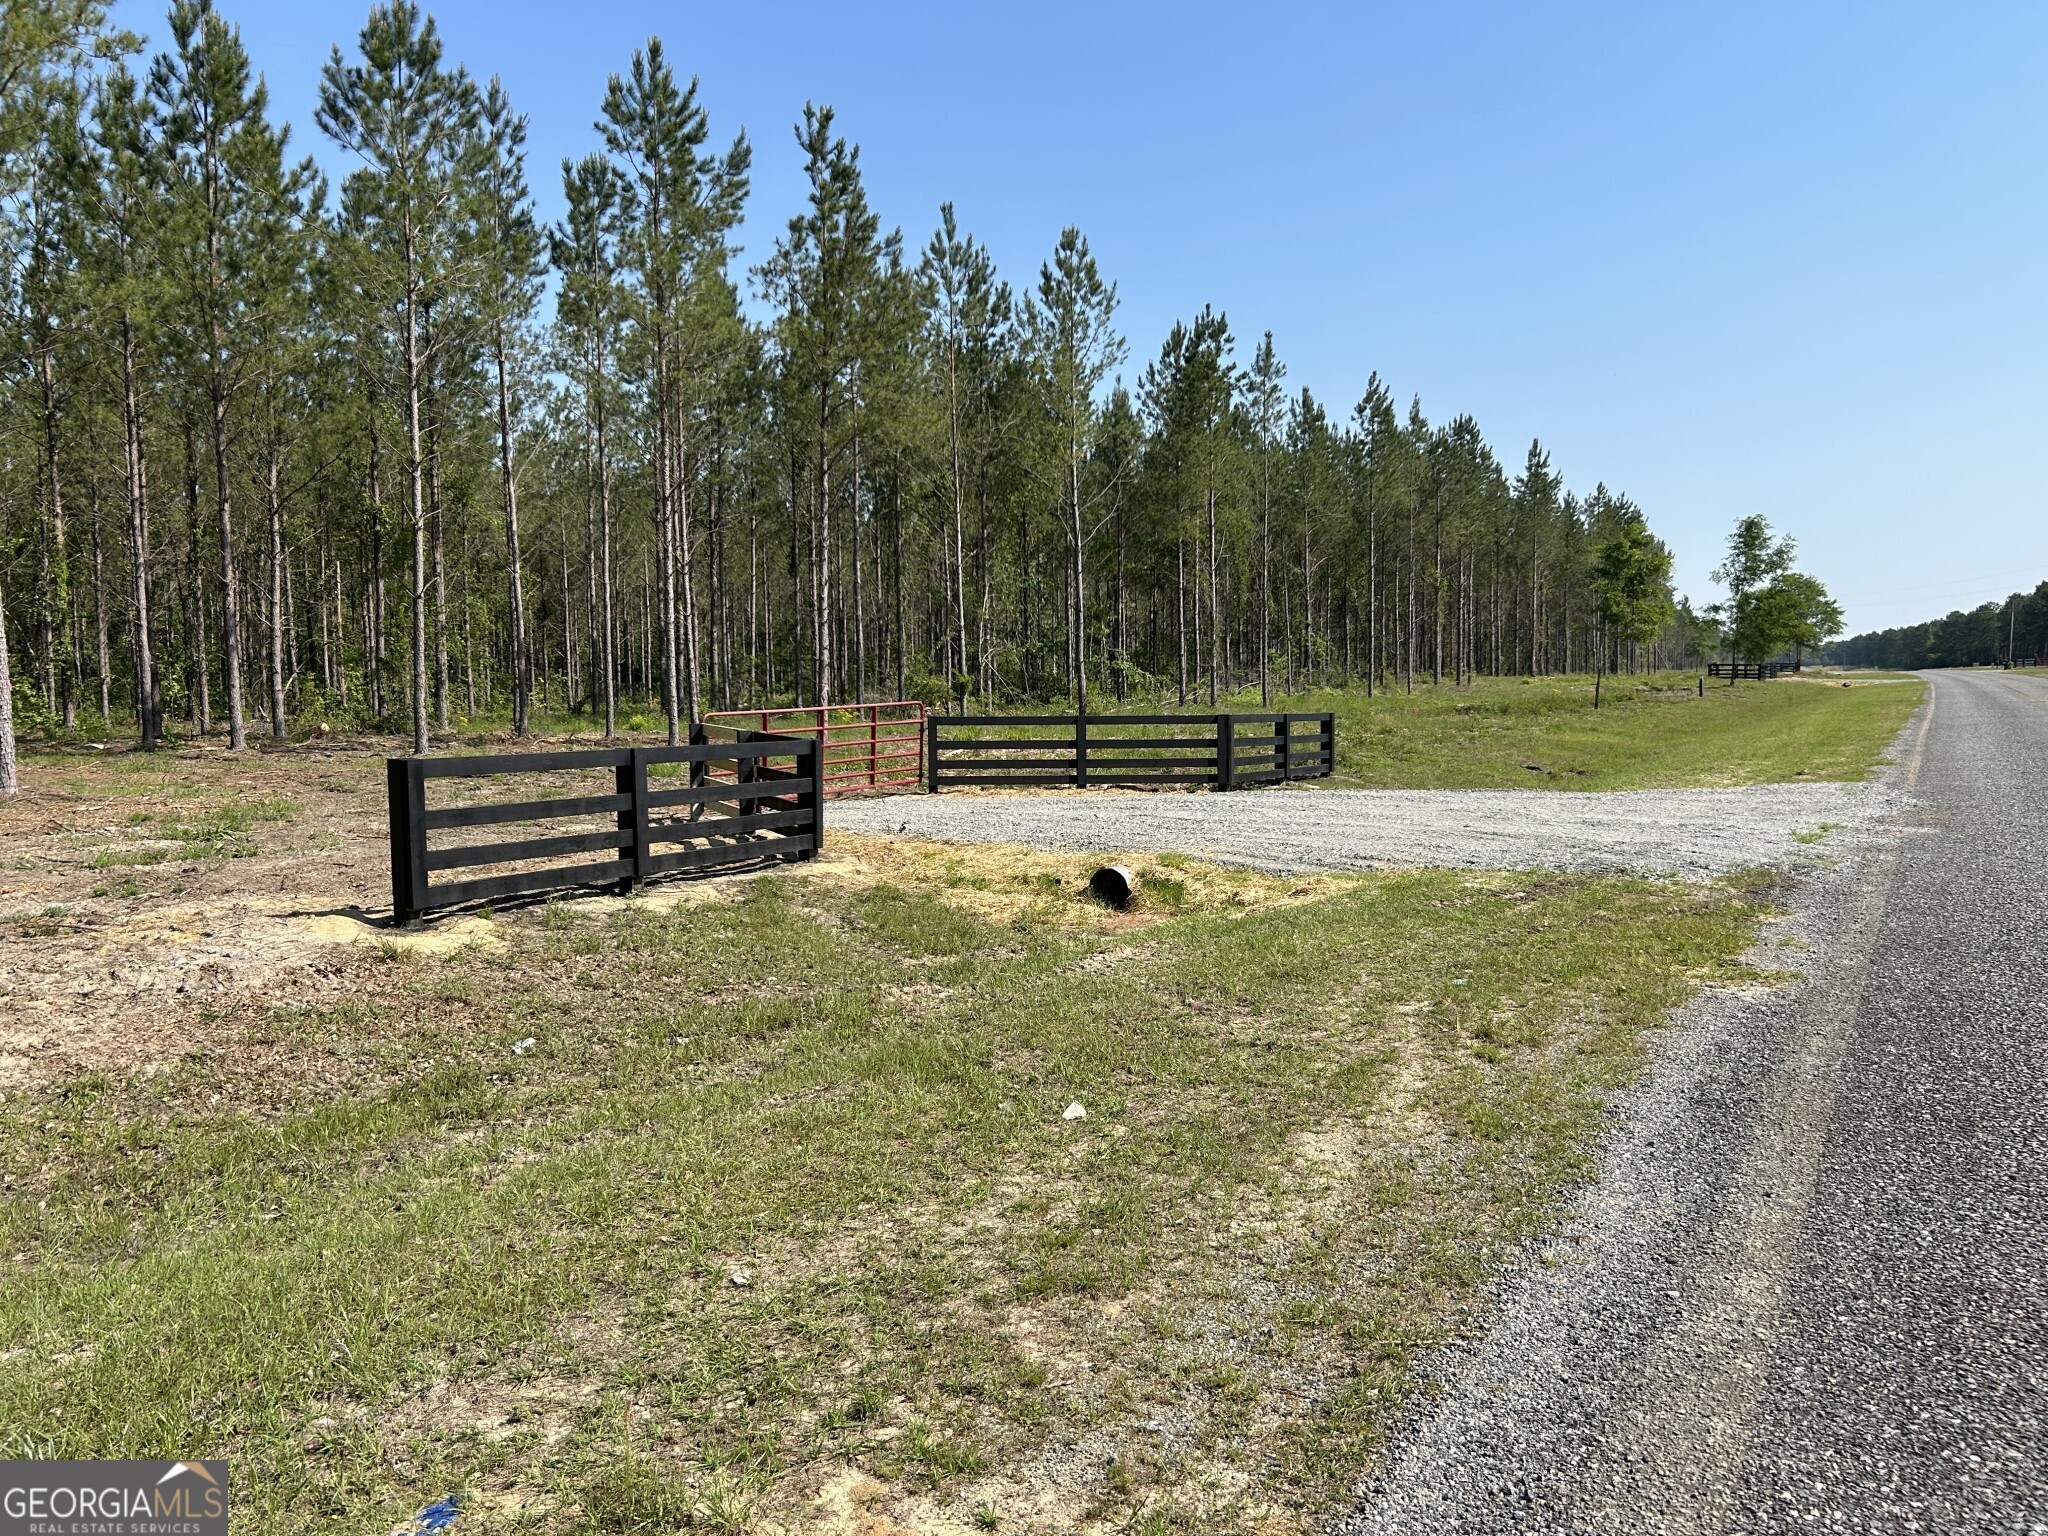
(1215, 605)
(10, 773)
(821, 572)
(665, 539)
(693, 700)
(521, 668)
(1180, 595)
(437, 526)
(99, 611)
(1266, 579)
(146, 693)
(860, 623)
(202, 671)
(56, 594)
(230, 600)
(415, 463)
(1436, 672)
(1077, 644)
(275, 507)
(1372, 591)
(605, 586)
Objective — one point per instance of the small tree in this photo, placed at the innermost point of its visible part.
(1632, 581)
(1811, 617)
(1756, 622)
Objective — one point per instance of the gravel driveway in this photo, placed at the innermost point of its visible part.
(1696, 833)
(1808, 1291)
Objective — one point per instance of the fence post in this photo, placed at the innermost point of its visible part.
(931, 753)
(813, 799)
(630, 779)
(1226, 750)
(1283, 752)
(1329, 745)
(405, 789)
(1080, 751)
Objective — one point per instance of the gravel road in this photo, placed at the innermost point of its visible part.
(1696, 833)
(1810, 1288)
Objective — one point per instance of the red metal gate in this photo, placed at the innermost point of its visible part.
(867, 746)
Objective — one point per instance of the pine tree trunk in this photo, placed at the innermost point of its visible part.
(604, 522)
(275, 507)
(516, 595)
(10, 773)
(416, 466)
(148, 705)
(99, 613)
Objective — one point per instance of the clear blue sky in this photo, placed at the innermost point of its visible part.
(1727, 258)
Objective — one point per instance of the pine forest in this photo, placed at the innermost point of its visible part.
(397, 454)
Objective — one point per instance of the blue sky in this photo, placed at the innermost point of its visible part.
(1729, 259)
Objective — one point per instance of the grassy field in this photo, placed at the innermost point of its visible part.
(780, 1223)
(1650, 733)
(753, 1205)
(1655, 732)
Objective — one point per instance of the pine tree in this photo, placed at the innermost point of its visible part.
(683, 206)
(414, 126)
(1074, 347)
(823, 273)
(507, 257)
(589, 317)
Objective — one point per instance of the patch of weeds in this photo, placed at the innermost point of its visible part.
(921, 925)
(127, 858)
(44, 924)
(1162, 891)
(941, 1457)
(1817, 833)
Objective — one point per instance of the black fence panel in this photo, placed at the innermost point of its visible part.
(768, 806)
(1752, 671)
(1225, 751)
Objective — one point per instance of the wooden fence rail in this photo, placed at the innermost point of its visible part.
(1751, 671)
(867, 746)
(772, 808)
(1226, 751)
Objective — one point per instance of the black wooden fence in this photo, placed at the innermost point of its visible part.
(1228, 751)
(1753, 671)
(772, 810)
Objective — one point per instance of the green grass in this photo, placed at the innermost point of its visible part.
(221, 833)
(1650, 733)
(374, 1256)
(1653, 732)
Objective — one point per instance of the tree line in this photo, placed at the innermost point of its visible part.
(395, 452)
(1992, 634)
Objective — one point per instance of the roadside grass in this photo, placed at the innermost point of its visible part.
(1654, 732)
(1651, 732)
(782, 1206)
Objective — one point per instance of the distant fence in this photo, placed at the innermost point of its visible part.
(769, 806)
(1751, 671)
(867, 746)
(1227, 751)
